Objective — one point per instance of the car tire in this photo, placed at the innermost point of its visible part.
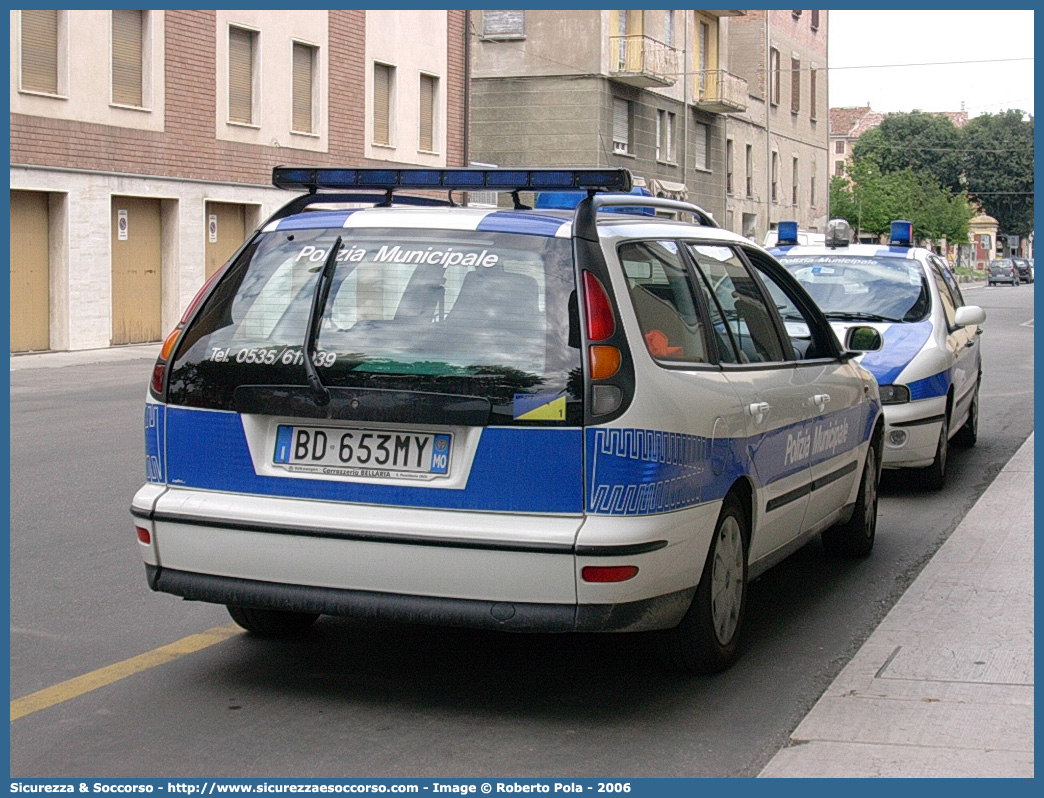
(707, 639)
(968, 434)
(935, 474)
(855, 537)
(271, 623)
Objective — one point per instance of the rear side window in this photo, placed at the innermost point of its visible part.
(663, 301)
(462, 312)
(749, 320)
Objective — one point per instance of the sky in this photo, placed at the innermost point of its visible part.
(868, 39)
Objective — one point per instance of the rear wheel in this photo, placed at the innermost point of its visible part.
(271, 623)
(855, 537)
(707, 639)
(968, 434)
(935, 474)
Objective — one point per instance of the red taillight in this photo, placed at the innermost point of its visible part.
(143, 535)
(159, 371)
(608, 573)
(600, 321)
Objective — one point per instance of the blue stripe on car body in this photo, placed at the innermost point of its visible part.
(902, 343)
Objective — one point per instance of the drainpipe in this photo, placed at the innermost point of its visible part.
(685, 101)
(467, 88)
(768, 126)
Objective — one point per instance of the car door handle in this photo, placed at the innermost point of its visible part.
(759, 410)
(821, 400)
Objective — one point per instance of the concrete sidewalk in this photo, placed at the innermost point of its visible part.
(944, 686)
(80, 357)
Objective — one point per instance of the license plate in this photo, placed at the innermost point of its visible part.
(362, 452)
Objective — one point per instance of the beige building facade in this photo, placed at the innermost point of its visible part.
(142, 146)
(777, 159)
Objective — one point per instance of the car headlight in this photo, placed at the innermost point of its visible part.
(894, 394)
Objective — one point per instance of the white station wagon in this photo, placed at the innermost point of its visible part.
(389, 406)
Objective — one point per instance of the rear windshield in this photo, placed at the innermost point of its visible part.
(459, 312)
(1000, 264)
(893, 289)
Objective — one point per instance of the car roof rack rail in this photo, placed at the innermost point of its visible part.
(337, 184)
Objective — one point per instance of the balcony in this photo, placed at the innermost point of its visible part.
(642, 62)
(720, 92)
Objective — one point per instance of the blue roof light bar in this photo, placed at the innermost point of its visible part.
(786, 234)
(902, 234)
(461, 179)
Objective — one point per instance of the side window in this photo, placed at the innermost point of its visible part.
(807, 337)
(663, 301)
(951, 283)
(949, 306)
(748, 318)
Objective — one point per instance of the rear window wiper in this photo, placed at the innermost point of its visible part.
(855, 315)
(315, 315)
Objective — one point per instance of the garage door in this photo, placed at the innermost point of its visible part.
(30, 272)
(136, 270)
(226, 229)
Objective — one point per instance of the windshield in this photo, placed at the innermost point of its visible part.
(874, 289)
(459, 312)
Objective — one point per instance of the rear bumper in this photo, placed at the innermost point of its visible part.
(656, 613)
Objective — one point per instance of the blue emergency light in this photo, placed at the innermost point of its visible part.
(902, 234)
(454, 179)
(568, 200)
(786, 234)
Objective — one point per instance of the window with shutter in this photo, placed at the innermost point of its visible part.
(428, 85)
(774, 76)
(127, 42)
(795, 85)
(702, 142)
(621, 125)
(304, 72)
(383, 75)
(241, 75)
(503, 24)
(40, 51)
(812, 92)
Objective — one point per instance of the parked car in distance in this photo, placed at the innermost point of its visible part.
(528, 420)
(930, 366)
(1025, 267)
(1002, 270)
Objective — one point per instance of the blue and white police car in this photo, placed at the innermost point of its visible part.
(930, 366)
(520, 419)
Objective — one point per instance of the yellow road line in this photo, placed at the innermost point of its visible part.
(49, 696)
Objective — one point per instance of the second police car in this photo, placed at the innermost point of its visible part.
(517, 419)
(930, 366)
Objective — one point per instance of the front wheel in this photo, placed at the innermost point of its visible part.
(271, 623)
(855, 537)
(935, 474)
(707, 639)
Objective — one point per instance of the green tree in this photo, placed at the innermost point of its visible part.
(919, 141)
(998, 165)
(870, 199)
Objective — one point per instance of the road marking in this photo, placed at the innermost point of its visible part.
(79, 685)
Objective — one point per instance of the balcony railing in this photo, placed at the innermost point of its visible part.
(720, 92)
(642, 61)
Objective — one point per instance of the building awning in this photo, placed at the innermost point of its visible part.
(668, 189)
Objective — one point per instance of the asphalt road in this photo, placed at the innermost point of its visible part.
(358, 700)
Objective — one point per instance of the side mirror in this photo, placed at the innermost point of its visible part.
(969, 314)
(863, 339)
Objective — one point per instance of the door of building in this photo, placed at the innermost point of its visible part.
(136, 270)
(30, 272)
(226, 229)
